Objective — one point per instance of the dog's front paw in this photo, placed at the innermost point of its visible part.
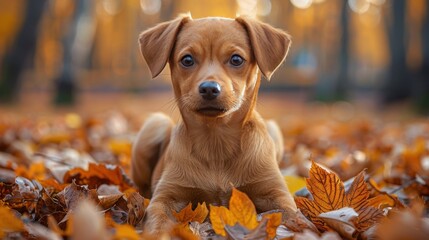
(156, 225)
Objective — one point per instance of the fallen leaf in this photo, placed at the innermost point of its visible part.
(274, 220)
(125, 231)
(96, 175)
(328, 195)
(219, 217)
(341, 221)
(294, 183)
(187, 215)
(9, 222)
(136, 208)
(243, 209)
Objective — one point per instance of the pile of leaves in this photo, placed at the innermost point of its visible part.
(68, 177)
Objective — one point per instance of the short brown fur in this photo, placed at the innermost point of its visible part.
(206, 153)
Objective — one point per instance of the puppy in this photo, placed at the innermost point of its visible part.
(221, 140)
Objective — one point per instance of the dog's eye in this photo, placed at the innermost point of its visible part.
(236, 60)
(187, 61)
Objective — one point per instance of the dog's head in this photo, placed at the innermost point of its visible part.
(214, 61)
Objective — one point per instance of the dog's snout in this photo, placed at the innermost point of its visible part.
(209, 90)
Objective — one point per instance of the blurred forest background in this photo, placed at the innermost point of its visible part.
(342, 49)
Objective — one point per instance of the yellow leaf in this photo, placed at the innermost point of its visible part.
(243, 209)
(219, 216)
(120, 146)
(274, 220)
(294, 183)
(125, 231)
(9, 222)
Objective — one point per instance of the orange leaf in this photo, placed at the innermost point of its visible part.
(219, 216)
(326, 189)
(125, 231)
(181, 231)
(274, 220)
(187, 215)
(358, 193)
(381, 201)
(201, 213)
(368, 217)
(9, 222)
(243, 209)
(96, 175)
(328, 193)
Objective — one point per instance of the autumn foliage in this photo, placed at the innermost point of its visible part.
(68, 177)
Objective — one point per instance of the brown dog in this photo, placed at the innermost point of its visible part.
(221, 141)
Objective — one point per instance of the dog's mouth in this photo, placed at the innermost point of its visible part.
(211, 111)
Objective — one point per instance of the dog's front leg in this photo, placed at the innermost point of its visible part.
(167, 198)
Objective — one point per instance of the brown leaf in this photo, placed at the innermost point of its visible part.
(74, 193)
(136, 208)
(107, 201)
(96, 175)
(368, 216)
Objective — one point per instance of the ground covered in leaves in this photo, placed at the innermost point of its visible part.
(66, 175)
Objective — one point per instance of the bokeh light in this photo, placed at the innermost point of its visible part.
(303, 4)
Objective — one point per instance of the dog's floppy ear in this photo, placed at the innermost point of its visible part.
(157, 43)
(270, 45)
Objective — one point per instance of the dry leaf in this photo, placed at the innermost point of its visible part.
(219, 217)
(341, 221)
(9, 222)
(328, 192)
(187, 215)
(125, 231)
(136, 208)
(96, 175)
(243, 209)
(274, 220)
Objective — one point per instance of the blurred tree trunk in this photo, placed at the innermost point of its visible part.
(21, 51)
(342, 81)
(422, 94)
(76, 48)
(334, 82)
(399, 84)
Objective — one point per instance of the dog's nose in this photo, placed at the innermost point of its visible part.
(209, 90)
